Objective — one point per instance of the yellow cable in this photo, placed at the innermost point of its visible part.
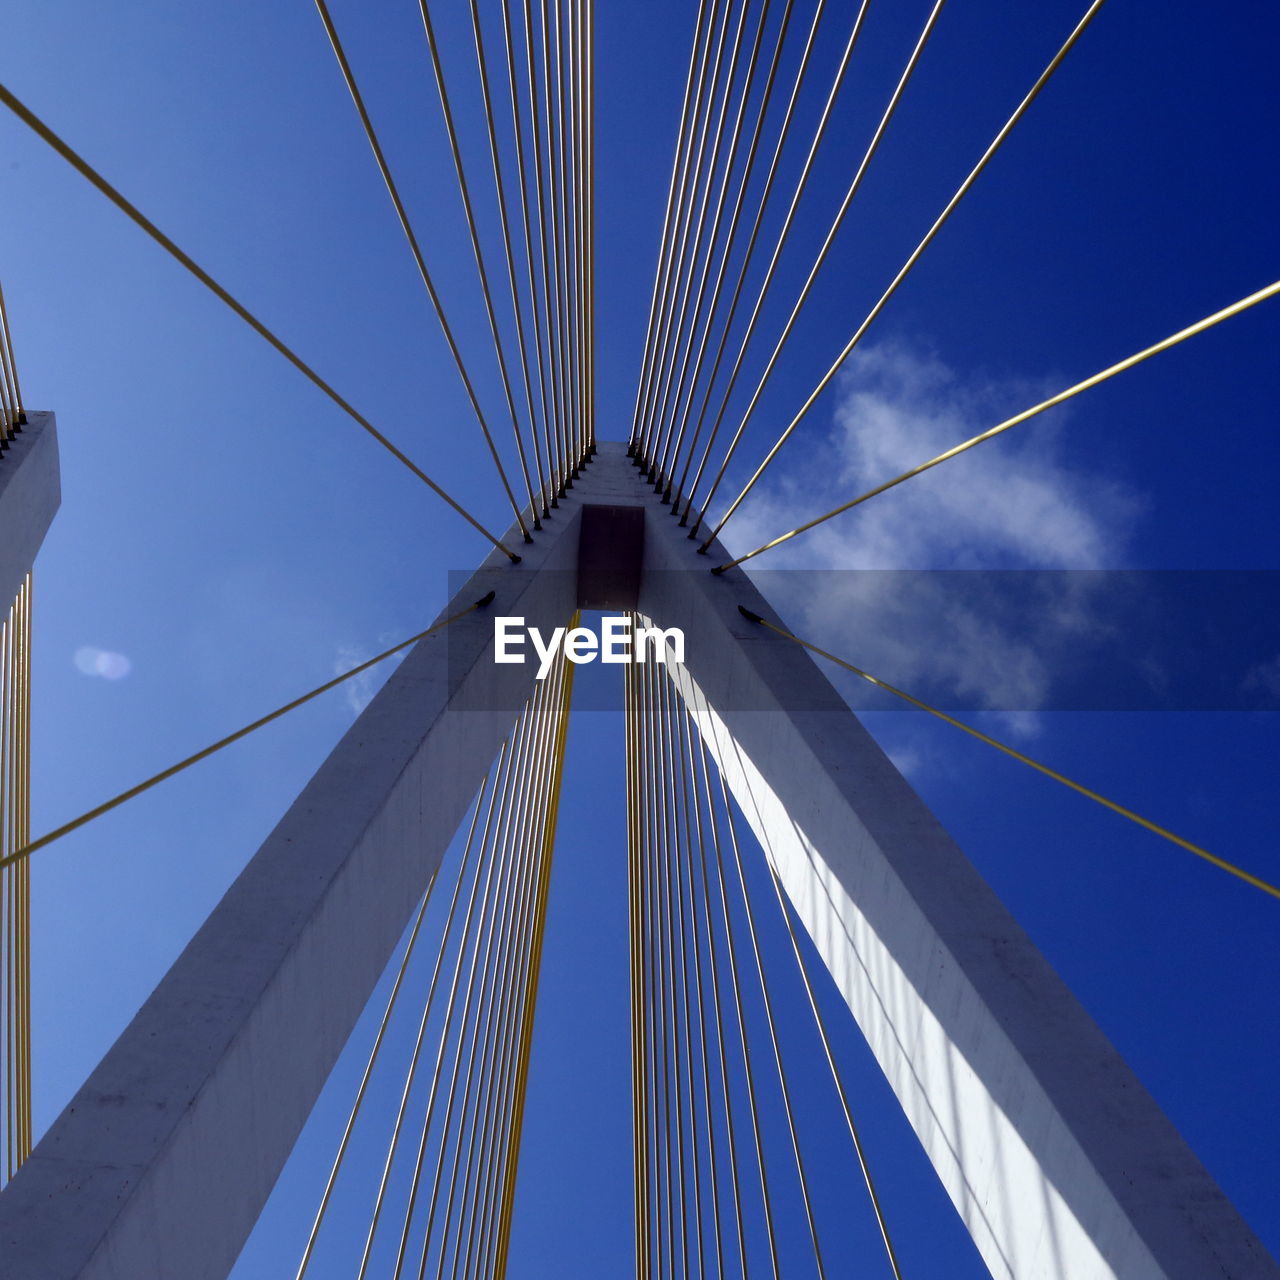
(559, 367)
(492, 1080)
(1155, 349)
(731, 952)
(465, 191)
(563, 458)
(639, 1096)
(566, 134)
(549, 485)
(482, 1235)
(437, 965)
(731, 235)
(668, 1055)
(548, 836)
(717, 1010)
(541, 334)
(657, 1118)
(26, 850)
(15, 882)
(370, 1063)
(8, 915)
(694, 184)
(773, 1033)
(23, 798)
(748, 253)
(679, 981)
(1198, 850)
(509, 256)
(854, 186)
(916, 253)
(506, 886)
(9, 373)
(688, 798)
(468, 956)
(82, 166)
(835, 1076)
(691, 255)
(674, 182)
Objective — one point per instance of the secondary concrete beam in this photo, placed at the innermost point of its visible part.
(1061, 1165)
(30, 493)
(161, 1163)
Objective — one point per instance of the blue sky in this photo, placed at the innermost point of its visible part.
(237, 539)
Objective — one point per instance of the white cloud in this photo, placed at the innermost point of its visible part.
(907, 759)
(91, 661)
(1014, 502)
(359, 690)
(1020, 502)
(1263, 678)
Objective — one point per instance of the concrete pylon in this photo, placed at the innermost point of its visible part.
(1060, 1164)
(30, 493)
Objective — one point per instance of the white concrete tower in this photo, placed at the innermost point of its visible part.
(1060, 1164)
(29, 498)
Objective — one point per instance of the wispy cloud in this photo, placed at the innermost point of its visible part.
(1021, 502)
(1264, 678)
(91, 661)
(359, 690)
(1017, 502)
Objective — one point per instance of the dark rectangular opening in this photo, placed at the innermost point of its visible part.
(610, 557)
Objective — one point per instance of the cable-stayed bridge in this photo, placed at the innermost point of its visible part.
(753, 797)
